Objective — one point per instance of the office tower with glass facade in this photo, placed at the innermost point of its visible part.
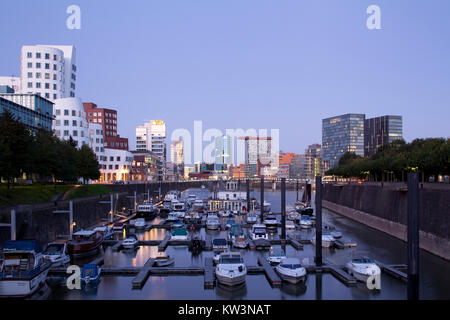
(380, 131)
(341, 134)
(223, 155)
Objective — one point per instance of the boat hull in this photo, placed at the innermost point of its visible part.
(291, 279)
(230, 281)
(212, 226)
(23, 287)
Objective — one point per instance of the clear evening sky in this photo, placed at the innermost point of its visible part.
(249, 63)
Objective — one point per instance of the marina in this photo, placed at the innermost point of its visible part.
(152, 262)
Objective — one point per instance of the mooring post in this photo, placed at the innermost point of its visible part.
(71, 219)
(283, 208)
(318, 221)
(13, 224)
(413, 236)
(262, 199)
(135, 201)
(308, 191)
(248, 195)
(296, 188)
(112, 207)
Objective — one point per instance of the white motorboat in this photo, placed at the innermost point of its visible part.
(327, 239)
(305, 222)
(57, 253)
(212, 222)
(130, 242)
(290, 224)
(107, 232)
(362, 268)
(198, 204)
(147, 211)
(231, 269)
(235, 232)
(140, 223)
(259, 231)
(290, 270)
(164, 261)
(267, 206)
(336, 234)
(181, 214)
(24, 268)
(177, 205)
(270, 221)
(276, 255)
(172, 217)
(252, 218)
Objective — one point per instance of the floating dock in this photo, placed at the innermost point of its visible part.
(163, 245)
(209, 275)
(142, 276)
(394, 270)
(270, 273)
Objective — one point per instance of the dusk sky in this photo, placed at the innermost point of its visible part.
(280, 64)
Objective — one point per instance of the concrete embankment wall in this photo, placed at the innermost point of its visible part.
(40, 223)
(385, 209)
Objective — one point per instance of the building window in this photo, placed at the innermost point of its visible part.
(111, 158)
(47, 76)
(74, 123)
(54, 96)
(38, 85)
(58, 112)
(38, 55)
(74, 113)
(38, 75)
(118, 158)
(47, 56)
(75, 133)
(47, 86)
(55, 57)
(38, 65)
(66, 123)
(55, 77)
(55, 86)
(30, 75)
(54, 67)
(66, 112)
(66, 133)
(57, 123)
(47, 66)
(29, 55)
(58, 133)
(29, 65)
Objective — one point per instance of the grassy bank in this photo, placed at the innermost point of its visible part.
(88, 190)
(29, 194)
(39, 193)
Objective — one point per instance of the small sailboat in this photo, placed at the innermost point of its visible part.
(90, 274)
(291, 270)
(230, 269)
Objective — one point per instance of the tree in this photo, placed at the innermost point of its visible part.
(87, 164)
(65, 169)
(347, 158)
(16, 142)
(45, 155)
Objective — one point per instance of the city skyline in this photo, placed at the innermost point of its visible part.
(187, 73)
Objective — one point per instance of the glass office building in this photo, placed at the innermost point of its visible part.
(380, 131)
(341, 134)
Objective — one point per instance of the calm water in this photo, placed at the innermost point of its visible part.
(434, 280)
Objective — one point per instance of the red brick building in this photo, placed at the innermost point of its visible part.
(108, 119)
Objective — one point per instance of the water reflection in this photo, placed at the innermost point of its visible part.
(230, 293)
(295, 290)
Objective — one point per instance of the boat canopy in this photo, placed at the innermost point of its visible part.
(179, 232)
(362, 260)
(290, 263)
(21, 245)
(220, 242)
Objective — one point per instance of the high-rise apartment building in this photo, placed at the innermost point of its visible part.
(258, 156)
(49, 71)
(380, 131)
(107, 118)
(313, 161)
(341, 134)
(151, 137)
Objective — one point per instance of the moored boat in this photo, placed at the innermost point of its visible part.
(130, 242)
(305, 222)
(259, 232)
(276, 255)
(179, 234)
(90, 274)
(327, 239)
(240, 242)
(85, 243)
(252, 218)
(57, 253)
(24, 268)
(362, 268)
(231, 269)
(212, 222)
(270, 221)
(291, 270)
(147, 211)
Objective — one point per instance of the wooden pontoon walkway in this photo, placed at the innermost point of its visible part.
(141, 278)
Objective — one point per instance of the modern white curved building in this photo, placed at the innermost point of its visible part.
(48, 70)
(70, 121)
(97, 144)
